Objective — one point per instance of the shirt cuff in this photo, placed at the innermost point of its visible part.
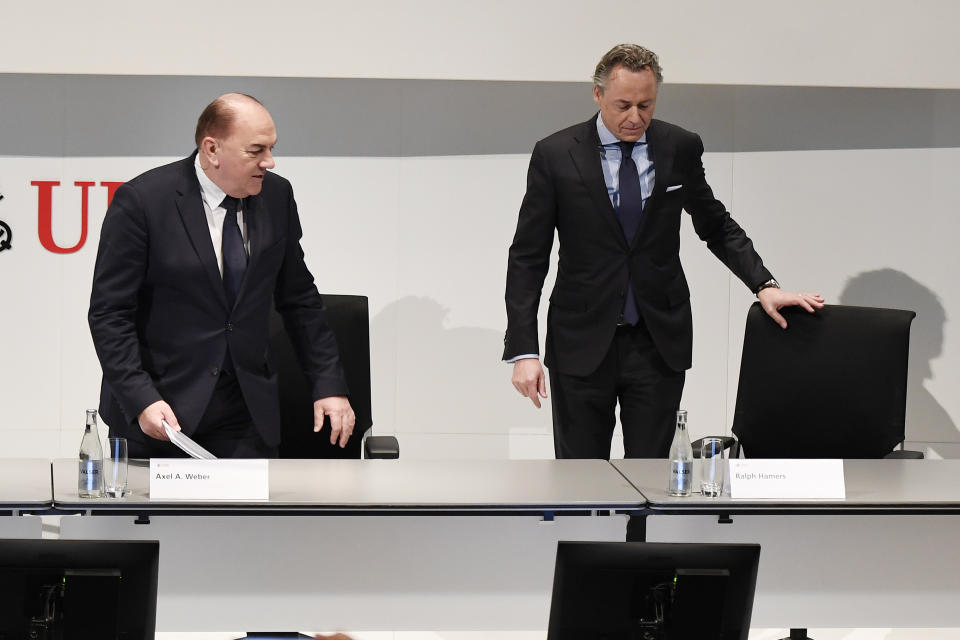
(535, 356)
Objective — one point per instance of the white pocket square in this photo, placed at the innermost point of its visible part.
(674, 187)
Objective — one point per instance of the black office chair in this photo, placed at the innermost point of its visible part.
(348, 317)
(832, 385)
(729, 442)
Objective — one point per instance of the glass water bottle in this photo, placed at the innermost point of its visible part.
(90, 482)
(681, 459)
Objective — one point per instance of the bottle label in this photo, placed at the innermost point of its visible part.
(680, 476)
(90, 475)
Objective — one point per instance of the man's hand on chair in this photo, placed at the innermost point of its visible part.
(772, 299)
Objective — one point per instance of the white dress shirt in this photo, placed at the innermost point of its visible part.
(212, 197)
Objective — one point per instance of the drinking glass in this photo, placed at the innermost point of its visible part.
(115, 468)
(713, 467)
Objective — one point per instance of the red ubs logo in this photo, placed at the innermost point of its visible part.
(45, 211)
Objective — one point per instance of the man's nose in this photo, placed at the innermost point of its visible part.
(268, 162)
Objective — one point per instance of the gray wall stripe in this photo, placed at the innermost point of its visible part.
(97, 115)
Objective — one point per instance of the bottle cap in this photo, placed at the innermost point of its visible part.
(681, 417)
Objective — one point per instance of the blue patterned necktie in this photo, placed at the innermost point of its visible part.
(629, 212)
(234, 255)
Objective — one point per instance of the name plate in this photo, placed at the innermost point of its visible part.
(787, 479)
(187, 479)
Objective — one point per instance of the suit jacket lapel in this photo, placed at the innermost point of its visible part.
(254, 214)
(258, 233)
(190, 207)
(661, 152)
(585, 153)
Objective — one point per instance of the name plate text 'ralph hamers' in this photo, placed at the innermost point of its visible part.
(186, 479)
(787, 479)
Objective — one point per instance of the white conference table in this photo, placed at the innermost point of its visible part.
(886, 555)
(25, 484)
(25, 489)
(393, 486)
(386, 545)
(891, 487)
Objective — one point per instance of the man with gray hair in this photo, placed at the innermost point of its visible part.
(619, 328)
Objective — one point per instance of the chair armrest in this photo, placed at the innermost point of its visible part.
(729, 442)
(383, 447)
(904, 454)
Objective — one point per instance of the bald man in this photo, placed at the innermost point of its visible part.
(193, 255)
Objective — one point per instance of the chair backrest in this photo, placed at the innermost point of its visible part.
(832, 385)
(348, 317)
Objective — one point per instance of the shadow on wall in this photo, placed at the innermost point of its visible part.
(927, 421)
(446, 380)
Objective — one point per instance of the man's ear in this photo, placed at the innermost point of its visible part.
(596, 94)
(209, 148)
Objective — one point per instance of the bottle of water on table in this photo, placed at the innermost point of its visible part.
(90, 483)
(681, 459)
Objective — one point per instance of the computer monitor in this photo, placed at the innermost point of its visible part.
(652, 591)
(66, 589)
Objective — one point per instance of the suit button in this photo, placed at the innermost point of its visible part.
(215, 371)
(229, 326)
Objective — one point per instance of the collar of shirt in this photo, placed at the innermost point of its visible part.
(607, 138)
(212, 196)
(610, 157)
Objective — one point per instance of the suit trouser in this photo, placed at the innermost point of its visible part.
(634, 375)
(226, 429)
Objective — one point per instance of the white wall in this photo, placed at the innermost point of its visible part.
(433, 261)
(860, 43)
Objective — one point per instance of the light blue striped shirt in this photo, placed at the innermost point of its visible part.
(611, 155)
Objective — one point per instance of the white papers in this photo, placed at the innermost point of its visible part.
(186, 445)
(787, 479)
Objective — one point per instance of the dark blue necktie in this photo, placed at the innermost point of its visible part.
(629, 212)
(234, 255)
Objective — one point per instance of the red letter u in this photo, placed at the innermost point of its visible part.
(45, 215)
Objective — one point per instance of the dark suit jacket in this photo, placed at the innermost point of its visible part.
(158, 312)
(566, 192)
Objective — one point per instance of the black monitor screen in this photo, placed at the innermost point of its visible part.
(65, 589)
(653, 591)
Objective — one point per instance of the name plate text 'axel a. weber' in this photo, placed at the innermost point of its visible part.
(787, 479)
(186, 479)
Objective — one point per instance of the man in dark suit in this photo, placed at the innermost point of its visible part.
(619, 327)
(193, 255)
